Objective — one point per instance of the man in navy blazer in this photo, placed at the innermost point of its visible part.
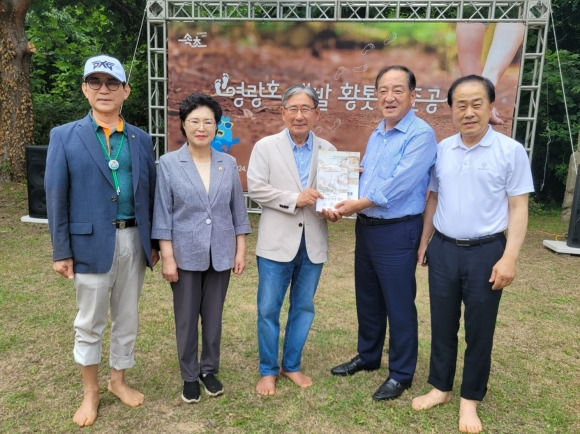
(100, 184)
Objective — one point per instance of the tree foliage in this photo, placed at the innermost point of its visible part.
(65, 34)
(557, 129)
(558, 124)
(566, 28)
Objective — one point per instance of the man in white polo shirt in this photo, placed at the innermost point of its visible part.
(479, 188)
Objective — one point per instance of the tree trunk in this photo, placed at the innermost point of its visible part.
(16, 122)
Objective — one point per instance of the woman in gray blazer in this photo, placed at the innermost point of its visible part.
(200, 220)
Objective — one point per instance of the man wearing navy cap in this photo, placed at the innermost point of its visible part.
(100, 184)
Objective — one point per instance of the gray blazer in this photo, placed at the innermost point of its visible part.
(274, 183)
(199, 224)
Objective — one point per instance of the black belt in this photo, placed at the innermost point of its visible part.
(373, 221)
(122, 224)
(467, 242)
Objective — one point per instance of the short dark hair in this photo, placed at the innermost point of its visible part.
(411, 81)
(298, 89)
(487, 84)
(195, 100)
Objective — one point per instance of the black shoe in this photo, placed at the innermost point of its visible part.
(190, 392)
(350, 368)
(211, 384)
(391, 389)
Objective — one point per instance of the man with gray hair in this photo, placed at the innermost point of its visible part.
(292, 237)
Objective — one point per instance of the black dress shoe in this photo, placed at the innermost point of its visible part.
(391, 389)
(350, 368)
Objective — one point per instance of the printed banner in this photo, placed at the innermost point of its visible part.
(248, 65)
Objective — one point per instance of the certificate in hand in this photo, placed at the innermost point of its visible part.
(337, 177)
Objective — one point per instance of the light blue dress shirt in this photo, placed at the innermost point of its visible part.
(303, 157)
(396, 168)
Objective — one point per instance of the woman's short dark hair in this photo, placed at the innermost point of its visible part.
(411, 81)
(487, 84)
(196, 100)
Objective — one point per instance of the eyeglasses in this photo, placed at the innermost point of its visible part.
(95, 84)
(195, 123)
(304, 109)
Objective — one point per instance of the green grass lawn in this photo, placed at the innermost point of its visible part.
(534, 385)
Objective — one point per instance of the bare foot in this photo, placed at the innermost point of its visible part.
(468, 419)
(267, 385)
(127, 395)
(298, 378)
(494, 118)
(87, 412)
(430, 399)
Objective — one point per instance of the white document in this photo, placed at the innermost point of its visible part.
(337, 177)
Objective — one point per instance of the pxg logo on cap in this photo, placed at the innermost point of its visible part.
(106, 65)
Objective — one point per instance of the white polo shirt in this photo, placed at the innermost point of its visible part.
(473, 184)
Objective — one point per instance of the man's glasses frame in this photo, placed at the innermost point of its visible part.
(305, 109)
(96, 84)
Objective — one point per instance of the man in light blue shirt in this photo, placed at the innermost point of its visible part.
(392, 192)
(302, 157)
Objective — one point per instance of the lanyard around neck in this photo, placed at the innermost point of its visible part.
(113, 162)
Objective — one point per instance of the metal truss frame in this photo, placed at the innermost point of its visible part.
(533, 13)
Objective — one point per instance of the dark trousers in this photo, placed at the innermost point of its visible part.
(461, 274)
(199, 294)
(385, 287)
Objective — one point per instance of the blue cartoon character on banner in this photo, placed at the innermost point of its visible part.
(224, 138)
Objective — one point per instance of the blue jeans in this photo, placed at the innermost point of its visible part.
(274, 277)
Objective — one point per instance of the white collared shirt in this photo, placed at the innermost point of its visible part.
(473, 184)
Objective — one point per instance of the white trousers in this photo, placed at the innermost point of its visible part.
(120, 288)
